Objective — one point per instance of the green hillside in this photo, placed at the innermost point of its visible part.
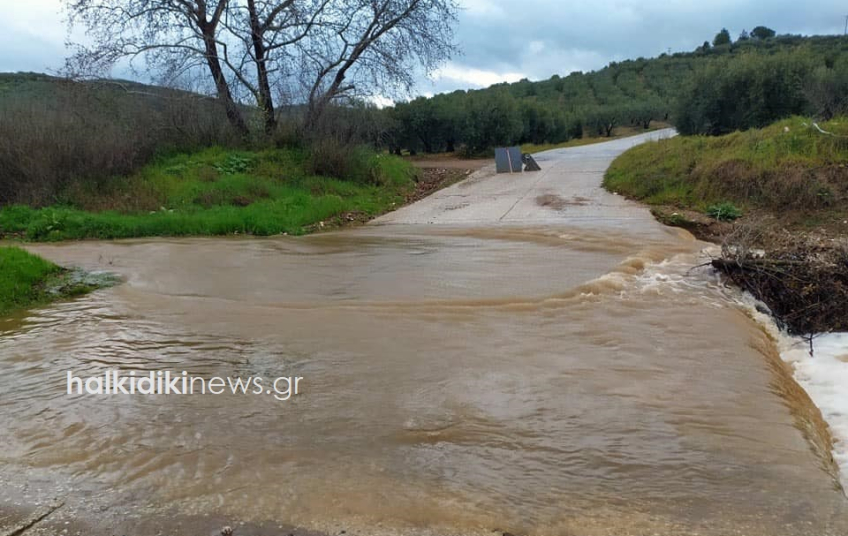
(712, 90)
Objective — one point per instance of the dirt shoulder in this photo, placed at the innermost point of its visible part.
(429, 179)
(447, 161)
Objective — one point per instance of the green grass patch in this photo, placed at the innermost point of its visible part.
(787, 166)
(22, 278)
(27, 280)
(216, 192)
(724, 212)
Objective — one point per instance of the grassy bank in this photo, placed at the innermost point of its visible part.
(218, 192)
(788, 169)
(21, 277)
(27, 280)
(782, 195)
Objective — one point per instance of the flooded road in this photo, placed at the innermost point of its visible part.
(523, 354)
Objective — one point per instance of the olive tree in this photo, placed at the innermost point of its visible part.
(762, 32)
(722, 38)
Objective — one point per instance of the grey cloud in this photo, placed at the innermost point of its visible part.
(587, 35)
(497, 35)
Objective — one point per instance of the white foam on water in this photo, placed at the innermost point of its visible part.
(823, 375)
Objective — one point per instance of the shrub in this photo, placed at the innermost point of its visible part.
(56, 133)
(724, 212)
(331, 158)
(827, 89)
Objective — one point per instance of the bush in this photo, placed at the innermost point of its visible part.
(827, 89)
(724, 212)
(55, 133)
(330, 158)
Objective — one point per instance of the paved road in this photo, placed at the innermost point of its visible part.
(566, 192)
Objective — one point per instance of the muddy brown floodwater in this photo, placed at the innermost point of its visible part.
(532, 379)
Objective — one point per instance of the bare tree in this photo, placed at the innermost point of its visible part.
(365, 47)
(267, 29)
(316, 51)
(335, 48)
(173, 36)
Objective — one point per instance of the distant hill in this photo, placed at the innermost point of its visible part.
(46, 90)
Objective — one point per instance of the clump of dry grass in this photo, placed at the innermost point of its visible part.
(57, 134)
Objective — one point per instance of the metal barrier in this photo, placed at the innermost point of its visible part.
(510, 160)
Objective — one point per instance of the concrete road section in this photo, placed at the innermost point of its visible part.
(566, 192)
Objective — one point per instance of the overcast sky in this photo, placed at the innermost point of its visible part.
(506, 40)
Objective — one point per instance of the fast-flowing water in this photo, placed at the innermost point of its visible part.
(532, 379)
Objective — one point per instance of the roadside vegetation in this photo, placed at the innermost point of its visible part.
(218, 191)
(56, 132)
(790, 168)
(777, 200)
(27, 280)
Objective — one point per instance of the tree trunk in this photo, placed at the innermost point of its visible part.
(428, 147)
(266, 99)
(221, 86)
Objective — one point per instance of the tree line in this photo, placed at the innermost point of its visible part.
(753, 89)
(719, 87)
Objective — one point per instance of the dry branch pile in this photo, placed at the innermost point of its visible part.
(804, 281)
